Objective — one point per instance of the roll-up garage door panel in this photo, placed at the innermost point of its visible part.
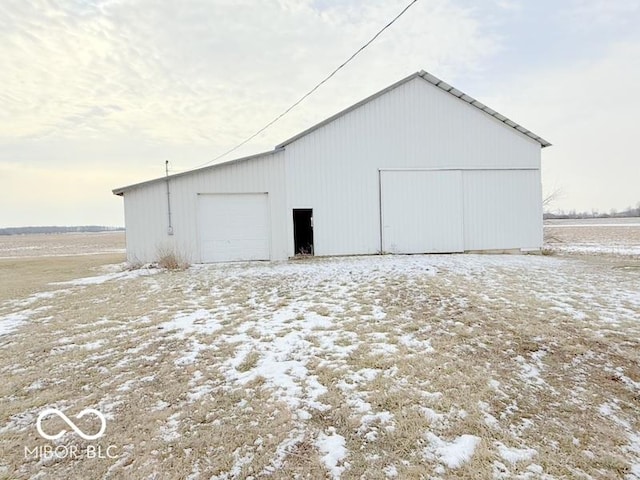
(233, 227)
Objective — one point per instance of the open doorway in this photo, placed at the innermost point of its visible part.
(303, 231)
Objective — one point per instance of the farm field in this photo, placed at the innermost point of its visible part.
(594, 236)
(437, 366)
(61, 244)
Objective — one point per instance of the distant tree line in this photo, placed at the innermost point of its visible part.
(629, 212)
(55, 229)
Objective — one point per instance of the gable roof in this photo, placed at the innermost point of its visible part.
(432, 79)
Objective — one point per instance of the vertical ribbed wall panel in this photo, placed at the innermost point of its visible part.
(146, 207)
(422, 211)
(502, 209)
(146, 220)
(334, 169)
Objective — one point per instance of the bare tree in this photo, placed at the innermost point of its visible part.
(551, 198)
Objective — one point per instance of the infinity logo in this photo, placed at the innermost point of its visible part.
(55, 411)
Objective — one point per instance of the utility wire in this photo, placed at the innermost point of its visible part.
(322, 82)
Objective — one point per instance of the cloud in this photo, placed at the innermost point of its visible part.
(584, 14)
(509, 5)
(207, 72)
(54, 196)
(98, 93)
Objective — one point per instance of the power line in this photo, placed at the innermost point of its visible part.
(322, 82)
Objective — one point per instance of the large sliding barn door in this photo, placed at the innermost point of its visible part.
(422, 211)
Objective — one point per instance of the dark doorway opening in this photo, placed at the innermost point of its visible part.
(303, 231)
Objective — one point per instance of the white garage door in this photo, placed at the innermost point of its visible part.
(422, 211)
(233, 227)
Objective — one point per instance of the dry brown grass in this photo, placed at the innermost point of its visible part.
(453, 351)
(170, 260)
(21, 277)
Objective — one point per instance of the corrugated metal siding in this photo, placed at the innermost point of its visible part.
(145, 214)
(502, 209)
(334, 169)
(422, 211)
(146, 207)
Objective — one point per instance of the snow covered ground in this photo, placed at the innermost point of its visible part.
(594, 236)
(437, 366)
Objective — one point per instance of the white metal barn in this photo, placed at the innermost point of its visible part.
(419, 167)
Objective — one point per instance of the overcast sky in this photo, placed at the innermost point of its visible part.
(96, 94)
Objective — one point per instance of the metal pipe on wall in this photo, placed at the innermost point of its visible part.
(166, 168)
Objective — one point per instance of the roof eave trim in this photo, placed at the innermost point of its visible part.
(121, 191)
(435, 81)
(349, 109)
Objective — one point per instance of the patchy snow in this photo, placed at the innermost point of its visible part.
(618, 373)
(169, 431)
(530, 372)
(489, 420)
(187, 324)
(390, 471)
(612, 411)
(333, 451)
(195, 472)
(598, 249)
(38, 296)
(382, 348)
(421, 346)
(190, 355)
(198, 321)
(433, 416)
(294, 438)
(160, 405)
(494, 384)
(284, 349)
(99, 279)
(453, 454)
(327, 340)
(8, 323)
(130, 383)
(371, 422)
(93, 345)
(515, 455)
(198, 392)
(37, 385)
(531, 472)
(605, 410)
(591, 224)
(612, 237)
(11, 321)
(239, 461)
